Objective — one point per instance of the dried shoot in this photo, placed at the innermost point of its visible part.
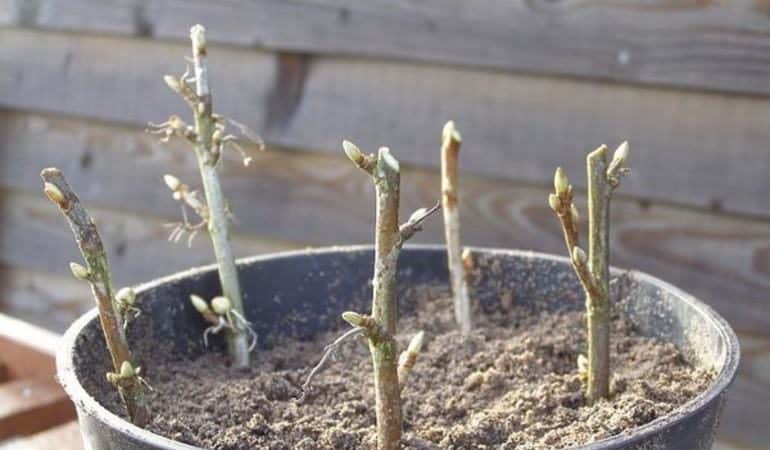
(592, 269)
(450, 148)
(111, 307)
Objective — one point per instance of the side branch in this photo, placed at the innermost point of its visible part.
(97, 274)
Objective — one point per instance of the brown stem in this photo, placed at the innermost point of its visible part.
(98, 275)
(597, 303)
(450, 148)
(381, 326)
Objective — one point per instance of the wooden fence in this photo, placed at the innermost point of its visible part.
(532, 84)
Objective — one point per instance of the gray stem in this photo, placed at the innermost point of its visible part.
(237, 340)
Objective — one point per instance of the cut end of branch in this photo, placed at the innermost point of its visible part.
(599, 153)
(386, 157)
(198, 38)
(450, 132)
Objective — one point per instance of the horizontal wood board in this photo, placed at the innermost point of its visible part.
(684, 43)
(697, 149)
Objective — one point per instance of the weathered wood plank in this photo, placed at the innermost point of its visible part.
(34, 237)
(691, 44)
(25, 350)
(62, 437)
(31, 405)
(703, 150)
(317, 199)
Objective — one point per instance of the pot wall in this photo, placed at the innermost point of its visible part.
(299, 293)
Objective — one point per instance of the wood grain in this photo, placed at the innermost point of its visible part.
(315, 199)
(689, 44)
(25, 350)
(61, 437)
(31, 405)
(690, 148)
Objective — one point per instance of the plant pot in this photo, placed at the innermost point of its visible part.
(310, 286)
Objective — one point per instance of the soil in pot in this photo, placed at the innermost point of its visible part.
(513, 383)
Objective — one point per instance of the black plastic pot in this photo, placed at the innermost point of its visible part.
(299, 293)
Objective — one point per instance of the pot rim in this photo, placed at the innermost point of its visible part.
(88, 404)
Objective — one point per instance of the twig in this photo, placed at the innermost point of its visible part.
(450, 147)
(329, 350)
(593, 269)
(97, 273)
(381, 326)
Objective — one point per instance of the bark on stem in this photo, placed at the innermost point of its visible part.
(593, 269)
(450, 148)
(597, 302)
(218, 226)
(387, 178)
(98, 275)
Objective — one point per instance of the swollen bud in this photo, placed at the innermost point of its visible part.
(415, 345)
(126, 370)
(579, 257)
(126, 295)
(172, 182)
(353, 318)
(574, 212)
(199, 304)
(53, 193)
(353, 152)
(560, 181)
(79, 272)
(554, 202)
(417, 215)
(173, 83)
(621, 154)
(221, 305)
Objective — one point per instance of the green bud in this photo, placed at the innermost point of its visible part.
(579, 257)
(79, 272)
(574, 212)
(173, 83)
(199, 304)
(221, 305)
(126, 370)
(621, 154)
(126, 295)
(415, 344)
(172, 182)
(554, 202)
(352, 151)
(560, 182)
(353, 318)
(53, 193)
